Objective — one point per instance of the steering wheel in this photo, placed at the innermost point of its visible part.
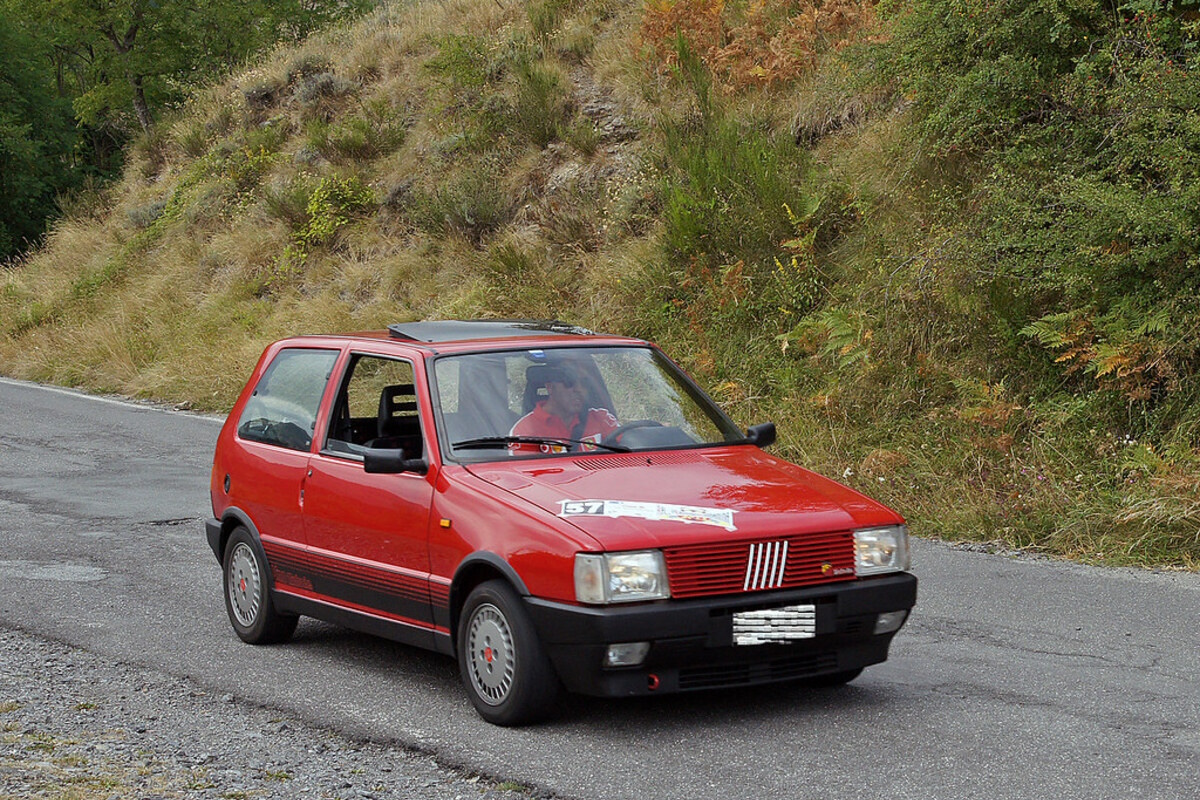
(615, 436)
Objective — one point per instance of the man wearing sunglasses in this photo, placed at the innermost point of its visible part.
(563, 415)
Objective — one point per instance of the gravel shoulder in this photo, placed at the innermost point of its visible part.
(75, 726)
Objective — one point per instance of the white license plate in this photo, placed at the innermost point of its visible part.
(772, 625)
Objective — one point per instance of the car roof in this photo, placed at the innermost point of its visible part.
(446, 336)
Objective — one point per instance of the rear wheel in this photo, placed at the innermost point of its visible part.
(247, 595)
(504, 668)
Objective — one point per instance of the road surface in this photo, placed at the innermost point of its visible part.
(1015, 678)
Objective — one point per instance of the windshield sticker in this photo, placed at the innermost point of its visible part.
(658, 512)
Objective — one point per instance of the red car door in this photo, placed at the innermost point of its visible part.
(368, 533)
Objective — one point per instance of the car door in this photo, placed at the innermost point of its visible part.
(367, 533)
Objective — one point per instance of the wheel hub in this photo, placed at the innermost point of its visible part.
(244, 585)
(489, 642)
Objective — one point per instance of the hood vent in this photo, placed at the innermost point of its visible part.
(648, 460)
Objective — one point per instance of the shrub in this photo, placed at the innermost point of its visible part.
(377, 130)
(758, 43)
(1083, 226)
(543, 103)
(978, 71)
(143, 217)
(331, 205)
(287, 200)
(463, 61)
(321, 87)
(470, 203)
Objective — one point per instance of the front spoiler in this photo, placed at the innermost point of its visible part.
(691, 641)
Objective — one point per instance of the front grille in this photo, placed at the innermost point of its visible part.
(717, 568)
(780, 669)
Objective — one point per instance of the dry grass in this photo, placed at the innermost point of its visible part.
(224, 235)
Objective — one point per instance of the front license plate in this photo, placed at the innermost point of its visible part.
(773, 625)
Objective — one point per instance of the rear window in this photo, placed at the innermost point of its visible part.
(283, 409)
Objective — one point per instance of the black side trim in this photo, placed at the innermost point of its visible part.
(376, 626)
(497, 563)
(212, 530)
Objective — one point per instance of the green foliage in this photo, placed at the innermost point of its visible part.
(980, 69)
(114, 67)
(36, 141)
(475, 113)
(1085, 115)
(332, 204)
(287, 200)
(540, 108)
(136, 56)
(839, 334)
(463, 60)
(543, 102)
(727, 197)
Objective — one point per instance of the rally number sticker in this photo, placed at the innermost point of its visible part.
(657, 512)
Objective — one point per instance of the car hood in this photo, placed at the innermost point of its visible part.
(664, 499)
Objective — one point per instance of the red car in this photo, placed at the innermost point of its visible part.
(553, 507)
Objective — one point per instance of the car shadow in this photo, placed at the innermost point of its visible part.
(382, 661)
(723, 707)
(369, 653)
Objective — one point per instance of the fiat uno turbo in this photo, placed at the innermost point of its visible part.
(399, 483)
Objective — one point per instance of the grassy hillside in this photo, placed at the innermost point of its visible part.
(920, 248)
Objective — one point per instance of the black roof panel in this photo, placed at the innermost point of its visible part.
(460, 330)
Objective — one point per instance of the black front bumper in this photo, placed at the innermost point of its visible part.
(691, 641)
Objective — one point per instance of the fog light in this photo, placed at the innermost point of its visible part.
(629, 654)
(889, 621)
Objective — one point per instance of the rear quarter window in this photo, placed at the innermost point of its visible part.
(283, 409)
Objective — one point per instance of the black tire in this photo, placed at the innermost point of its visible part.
(248, 602)
(833, 678)
(504, 668)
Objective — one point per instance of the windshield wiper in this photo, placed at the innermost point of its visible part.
(488, 442)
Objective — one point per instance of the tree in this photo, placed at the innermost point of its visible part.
(113, 65)
(138, 55)
(36, 140)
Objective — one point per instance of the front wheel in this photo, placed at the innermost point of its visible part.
(247, 595)
(507, 674)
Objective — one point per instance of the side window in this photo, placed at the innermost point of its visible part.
(376, 408)
(283, 409)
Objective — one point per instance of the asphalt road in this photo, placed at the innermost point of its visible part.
(1014, 678)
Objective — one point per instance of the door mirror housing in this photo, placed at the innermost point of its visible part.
(392, 462)
(762, 435)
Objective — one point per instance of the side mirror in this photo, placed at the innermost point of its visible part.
(761, 435)
(392, 462)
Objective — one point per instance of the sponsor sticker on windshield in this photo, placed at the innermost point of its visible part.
(658, 512)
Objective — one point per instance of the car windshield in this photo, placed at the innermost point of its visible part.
(546, 402)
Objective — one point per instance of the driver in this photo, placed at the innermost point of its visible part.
(563, 415)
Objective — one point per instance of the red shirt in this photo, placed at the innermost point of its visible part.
(540, 422)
